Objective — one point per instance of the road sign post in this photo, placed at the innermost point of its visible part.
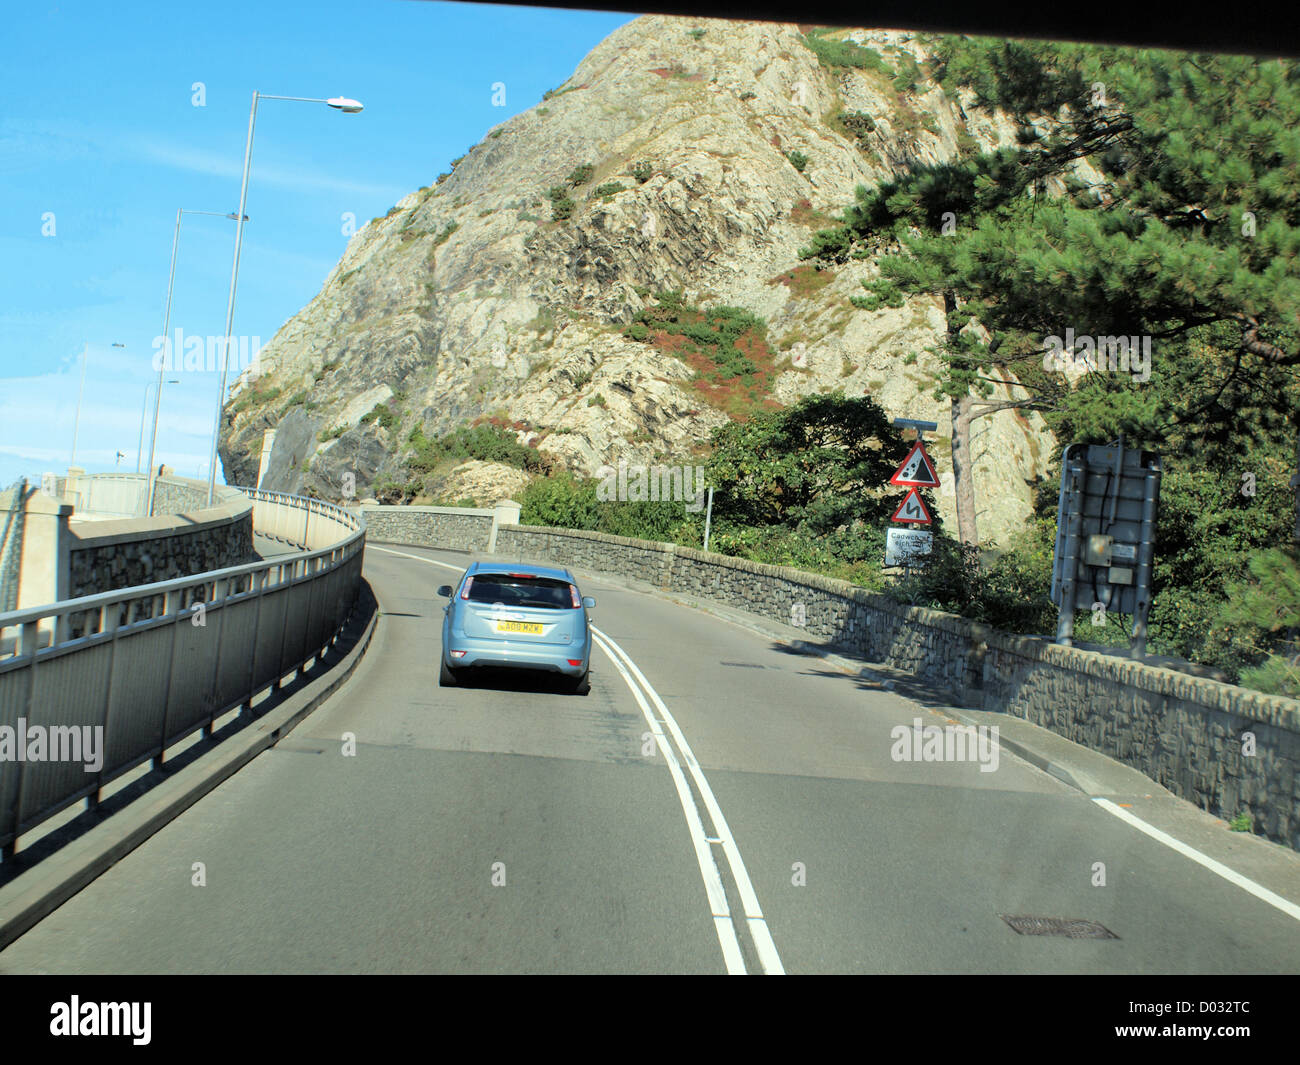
(908, 547)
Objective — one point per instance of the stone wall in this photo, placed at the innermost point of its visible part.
(449, 528)
(107, 556)
(173, 495)
(1184, 732)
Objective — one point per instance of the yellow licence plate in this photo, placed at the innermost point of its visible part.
(519, 626)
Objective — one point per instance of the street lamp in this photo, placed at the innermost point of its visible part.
(76, 424)
(144, 410)
(167, 320)
(339, 103)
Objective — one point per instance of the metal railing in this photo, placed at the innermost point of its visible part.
(148, 666)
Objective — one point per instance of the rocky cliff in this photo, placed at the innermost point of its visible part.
(683, 154)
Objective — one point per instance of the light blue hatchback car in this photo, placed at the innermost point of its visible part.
(517, 615)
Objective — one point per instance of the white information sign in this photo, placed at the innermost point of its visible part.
(906, 546)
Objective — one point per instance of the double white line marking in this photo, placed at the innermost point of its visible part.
(723, 923)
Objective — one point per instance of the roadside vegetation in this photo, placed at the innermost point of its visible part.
(1186, 239)
(486, 442)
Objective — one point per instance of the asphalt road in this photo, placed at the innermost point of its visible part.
(717, 803)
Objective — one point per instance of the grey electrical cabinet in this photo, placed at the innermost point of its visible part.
(1105, 535)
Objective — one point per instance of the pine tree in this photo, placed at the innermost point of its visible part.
(1190, 235)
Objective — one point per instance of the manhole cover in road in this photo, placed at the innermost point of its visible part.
(1058, 926)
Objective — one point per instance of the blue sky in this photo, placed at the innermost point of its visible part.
(101, 142)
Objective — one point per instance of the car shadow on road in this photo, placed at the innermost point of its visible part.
(542, 682)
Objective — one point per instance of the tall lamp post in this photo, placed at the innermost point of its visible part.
(339, 103)
(76, 424)
(167, 321)
(144, 412)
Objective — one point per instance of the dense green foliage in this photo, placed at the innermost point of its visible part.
(1188, 235)
(562, 204)
(486, 442)
(817, 466)
(580, 175)
(846, 54)
(569, 503)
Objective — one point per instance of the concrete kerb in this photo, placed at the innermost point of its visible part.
(34, 894)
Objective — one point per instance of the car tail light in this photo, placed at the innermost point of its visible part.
(577, 599)
(464, 592)
(529, 576)
(457, 654)
(574, 661)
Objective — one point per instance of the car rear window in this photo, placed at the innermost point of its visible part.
(520, 591)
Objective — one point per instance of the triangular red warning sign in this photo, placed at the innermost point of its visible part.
(917, 471)
(912, 510)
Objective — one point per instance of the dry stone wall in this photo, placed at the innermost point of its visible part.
(448, 528)
(149, 559)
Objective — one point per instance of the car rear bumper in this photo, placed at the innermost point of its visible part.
(516, 654)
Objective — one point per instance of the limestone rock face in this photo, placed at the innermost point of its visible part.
(468, 301)
(486, 483)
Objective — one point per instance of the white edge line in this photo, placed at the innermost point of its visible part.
(763, 942)
(1230, 875)
(721, 912)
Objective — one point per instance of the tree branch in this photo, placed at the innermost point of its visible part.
(1270, 353)
(993, 408)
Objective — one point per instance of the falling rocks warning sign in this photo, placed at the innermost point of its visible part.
(917, 470)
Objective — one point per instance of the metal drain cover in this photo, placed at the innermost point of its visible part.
(1058, 926)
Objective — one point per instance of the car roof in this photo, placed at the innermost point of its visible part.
(537, 569)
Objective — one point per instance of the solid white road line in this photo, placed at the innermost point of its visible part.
(1245, 883)
(722, 921)
(418, 558)
(758, 930)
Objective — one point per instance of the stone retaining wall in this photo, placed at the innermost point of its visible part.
(449, 528)
(1184, 732)
(105, 556)
(173, 495)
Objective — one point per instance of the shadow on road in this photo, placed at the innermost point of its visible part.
(542, 682)
(874, 678)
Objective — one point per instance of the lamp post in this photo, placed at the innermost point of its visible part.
(339, 103)
(139, 451)
(76, 424)
(167, 320)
